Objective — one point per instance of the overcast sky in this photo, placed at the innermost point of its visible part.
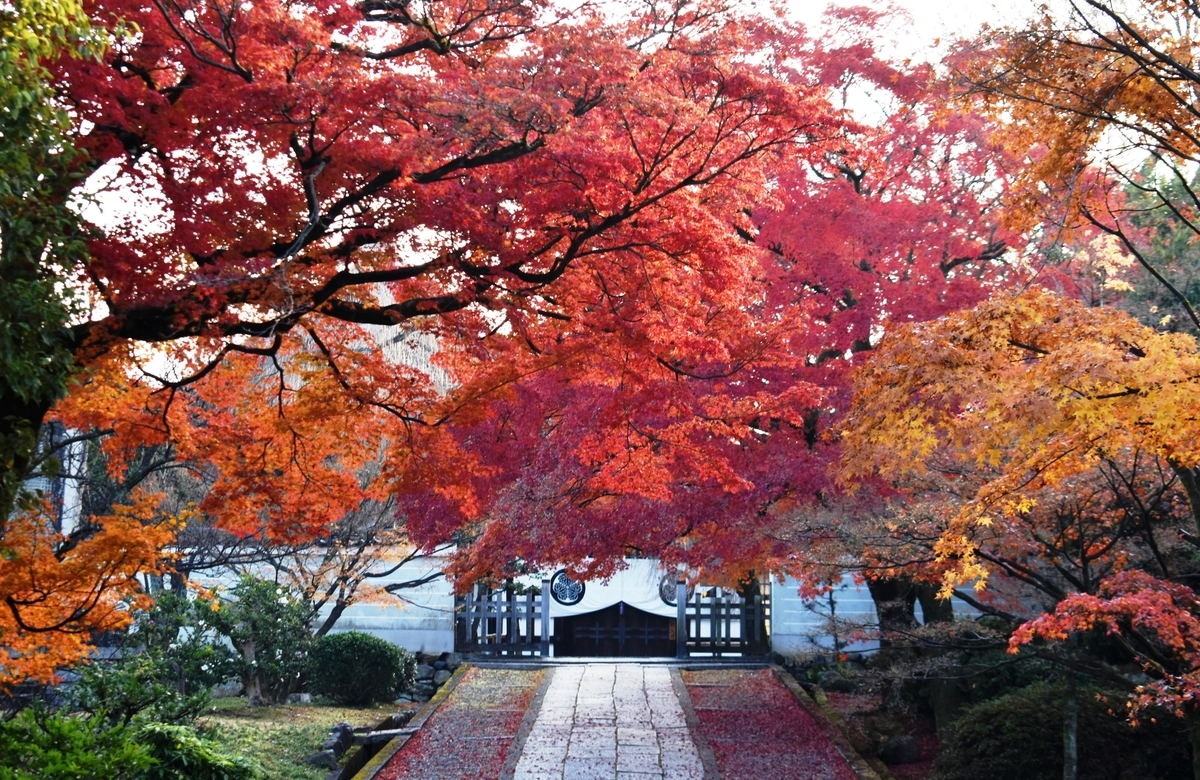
(930, 19)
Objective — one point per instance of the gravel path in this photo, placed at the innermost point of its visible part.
(757, 730)
(469, 736)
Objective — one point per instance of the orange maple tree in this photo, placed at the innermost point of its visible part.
(59, 591)
(1065, 434)
(1099, 94)
(1035, 386)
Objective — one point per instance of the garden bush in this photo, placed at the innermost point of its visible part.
(132, 688)
(179, 752)
(180, 634)
(990, 674)
(41, 745)
(268, 625)
(1019, 736)
(357, 668)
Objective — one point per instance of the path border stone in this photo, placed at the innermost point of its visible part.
(707, 757)
(381, 759)
(527, 721)
(857, 763)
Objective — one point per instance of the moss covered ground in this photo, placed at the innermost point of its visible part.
(276, 738)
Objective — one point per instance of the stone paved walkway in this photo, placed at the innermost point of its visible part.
(622, 721)
(606, 721)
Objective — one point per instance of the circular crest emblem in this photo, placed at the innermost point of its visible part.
(666, 589)
(565, 590)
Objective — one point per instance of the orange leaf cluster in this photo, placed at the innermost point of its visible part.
(1028, 390)
(58, 592)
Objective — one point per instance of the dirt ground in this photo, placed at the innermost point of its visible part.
(866, 724)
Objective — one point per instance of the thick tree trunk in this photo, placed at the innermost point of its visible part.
(1071, 731)
(945, 696)
(250, 677)
(933, 609)
(1190, 479)
(894, 600)
(946, 699)
(1193, 732)
(19, 425)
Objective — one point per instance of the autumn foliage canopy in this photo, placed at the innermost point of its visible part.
(571, 283)
(565, 284)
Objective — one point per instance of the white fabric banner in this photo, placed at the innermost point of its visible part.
(636, 585)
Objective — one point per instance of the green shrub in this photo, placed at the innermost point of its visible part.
(268, 625)
(180, 634)
(40, 745)
(1019, 736)
(993, 673)
(132, 688)
(169, 661)
(179, 752)
(357, 668)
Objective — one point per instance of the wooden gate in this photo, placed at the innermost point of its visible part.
(616, 631)
(710, 621)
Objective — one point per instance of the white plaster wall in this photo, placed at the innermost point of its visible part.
(420, 620)
(800, 626)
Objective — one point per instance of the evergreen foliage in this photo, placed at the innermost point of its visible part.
(40, 236)
(357, 668)
(179, 752)
(268, 625)
(40, 745)
(1019, 736)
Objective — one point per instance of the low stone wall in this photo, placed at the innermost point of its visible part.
(432, 673)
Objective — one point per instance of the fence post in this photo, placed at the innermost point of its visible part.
(510, 605)
(760, 623)
(473, 615)
(681, 636)
(719, 613)
(461, 605)
(545, 648)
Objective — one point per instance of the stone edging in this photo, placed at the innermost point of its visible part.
(380, 759)
(857, 763)
(707, 758)
(517, 746)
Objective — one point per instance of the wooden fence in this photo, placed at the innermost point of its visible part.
(712, 621)
(716, 622)
(503, 622)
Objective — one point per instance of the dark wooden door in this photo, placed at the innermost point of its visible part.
(617, 631)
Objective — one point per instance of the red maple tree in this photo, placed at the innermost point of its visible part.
(693, 443)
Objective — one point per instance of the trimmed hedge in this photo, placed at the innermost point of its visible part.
(356, 668)
(1019, 736)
